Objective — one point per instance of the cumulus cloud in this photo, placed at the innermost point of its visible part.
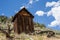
(40, 13)
(53, 4)
(54, 23)
(49, 4)
(55, 12)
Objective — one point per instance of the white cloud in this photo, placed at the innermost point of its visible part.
(49, 13)
(31, 1)
(40, 13)
(49, 4)
(29, 4)
(55, 12)
(57, 3)
(53, 23)
(53, 3)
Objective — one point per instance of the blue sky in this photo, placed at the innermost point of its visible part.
(44, 11)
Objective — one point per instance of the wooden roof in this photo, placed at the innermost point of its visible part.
(24, 9)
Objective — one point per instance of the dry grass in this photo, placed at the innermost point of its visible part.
(30, 37)
(2, 36)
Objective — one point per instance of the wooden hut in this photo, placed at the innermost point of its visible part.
(23, 22)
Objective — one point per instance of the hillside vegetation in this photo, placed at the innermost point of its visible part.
(6, 23)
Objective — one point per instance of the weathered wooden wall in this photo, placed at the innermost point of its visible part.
(23, 22)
